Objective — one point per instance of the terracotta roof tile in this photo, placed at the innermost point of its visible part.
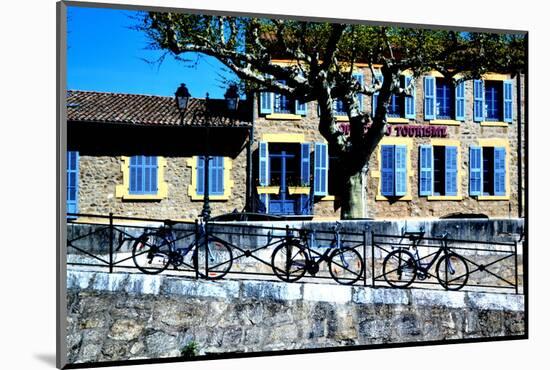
(91, 106)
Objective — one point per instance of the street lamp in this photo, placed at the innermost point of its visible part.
(182, 98)
(182, 101)
(232, 97)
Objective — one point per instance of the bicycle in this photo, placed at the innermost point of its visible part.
(294, 257)
(154, 251)
(400, 268)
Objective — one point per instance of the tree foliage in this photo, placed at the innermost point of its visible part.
(322, 57)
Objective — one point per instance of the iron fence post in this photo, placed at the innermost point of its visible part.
(206, 249)
(197, 246)
(372, 257)
(111, 235)
(516, 264)
(365, 258)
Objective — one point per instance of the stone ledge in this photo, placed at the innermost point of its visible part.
(136, 283)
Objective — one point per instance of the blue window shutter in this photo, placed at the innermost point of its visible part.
(359, 77)
(429, 97)
(459, 102)
(301, 108)
(400, 170)
(450, 170)
(215, 180)
(476, 170)
(266, 102)
(200, 175)
(263, 164)
(426, 170)
(410, 101)
(305, 164)
(136, 174)
(500, 171)
(153, 174)
(72, 181)
(479, 103)
(320, 170)
(507, 86)
(387, 165)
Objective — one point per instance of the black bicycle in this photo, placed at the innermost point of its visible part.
(401, 267)
(155, 250)
(294, 257)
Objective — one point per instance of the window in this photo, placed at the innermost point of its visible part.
(338, 105)
(72, 182)
(487, 171)
(438, 170)
(492, 101)
(216, 175)
(493, 104)
(442, 99)
(143, 174)
(394, 170)
(399, 106)
(275, 103)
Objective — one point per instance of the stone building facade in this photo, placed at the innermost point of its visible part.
(276, 161)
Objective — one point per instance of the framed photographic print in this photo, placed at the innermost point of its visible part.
(238, 184)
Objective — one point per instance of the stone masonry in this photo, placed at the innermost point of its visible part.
(132, 316)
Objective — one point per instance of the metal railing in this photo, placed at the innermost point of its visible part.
(105, 242)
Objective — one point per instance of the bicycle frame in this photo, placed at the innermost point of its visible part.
(416, 238)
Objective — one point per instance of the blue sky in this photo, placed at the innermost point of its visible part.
(105, 54)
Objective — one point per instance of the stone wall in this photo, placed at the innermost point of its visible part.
(132, 316)
(99, 176)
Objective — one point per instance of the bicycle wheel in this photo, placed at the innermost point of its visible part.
(399, 268)
(151, 253)
(220, 259)
(289, 262)
(453, 274)
(345, 266)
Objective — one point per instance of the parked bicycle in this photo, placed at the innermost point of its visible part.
(401, 267)
(294, 257)
(155, 250)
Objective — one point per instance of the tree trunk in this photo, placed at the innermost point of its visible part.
(354, 196)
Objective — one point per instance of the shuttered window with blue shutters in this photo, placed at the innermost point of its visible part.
(387, 165)
(305, 164)
(507, 85)
(320, 170)
(493, 100)
(400, 170)
(410, 101)
(429, 97)
(143, 174)
(450, 170)
(459, 102)
(500, 171)
(426, 170)
(72, 182)
(266, 102)
(216, 176)
(263, 173)
(301, 108)
(476, 170)
(479, 104)
(394, 170)
(338, 108)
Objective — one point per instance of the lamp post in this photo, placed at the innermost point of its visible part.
(182, 101)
